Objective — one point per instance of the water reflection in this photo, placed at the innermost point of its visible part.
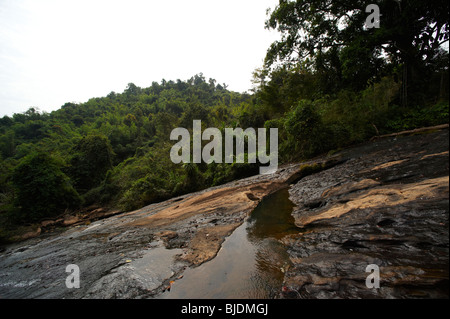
(272, 217)
(251, 261)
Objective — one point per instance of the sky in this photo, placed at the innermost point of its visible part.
(58, 51)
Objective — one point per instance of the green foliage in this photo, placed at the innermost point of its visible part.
(193, 179)
(333, 35)
(7, 144)
(91, 160)
(194, 111)
(145, 190)
(334, 121)
(42, 189)
(105, 145)
(418, 117)
(305, 129)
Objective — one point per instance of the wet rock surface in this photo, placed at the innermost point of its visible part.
(135, 254)
(387, 205)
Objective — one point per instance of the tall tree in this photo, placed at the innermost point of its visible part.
(410, 33)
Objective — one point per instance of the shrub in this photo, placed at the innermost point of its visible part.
(144, 191)
(42, 189)
(91, 161)
(418, 117)
(305, 130)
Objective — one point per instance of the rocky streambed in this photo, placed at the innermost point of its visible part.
(387, 205)
(384, 203)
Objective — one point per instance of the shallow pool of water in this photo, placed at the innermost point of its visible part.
(250, 263)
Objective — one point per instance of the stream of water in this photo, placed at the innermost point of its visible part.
(251, 262)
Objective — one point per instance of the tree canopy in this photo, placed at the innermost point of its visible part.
(333, 33)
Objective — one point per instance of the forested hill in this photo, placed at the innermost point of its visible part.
(112, 150)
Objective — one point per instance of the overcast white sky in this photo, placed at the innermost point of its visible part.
(58, 51)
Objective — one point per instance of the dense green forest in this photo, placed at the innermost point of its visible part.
(324, 87)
